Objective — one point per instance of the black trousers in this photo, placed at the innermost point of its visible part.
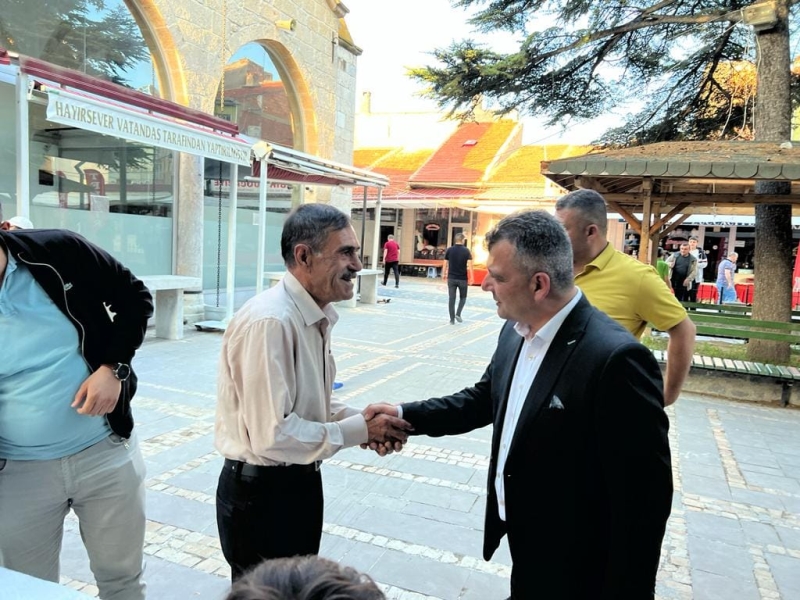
(452, 286)
(276, 513)
(393, 266)
(681, 293)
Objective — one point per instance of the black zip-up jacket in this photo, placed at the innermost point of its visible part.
(107, 305)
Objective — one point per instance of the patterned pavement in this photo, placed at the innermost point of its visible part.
(413, 520)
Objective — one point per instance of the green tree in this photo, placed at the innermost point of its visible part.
(669, 60)
(95, 37)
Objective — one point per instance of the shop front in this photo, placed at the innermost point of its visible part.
(100, 160)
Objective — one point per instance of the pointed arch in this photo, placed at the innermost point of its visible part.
(169, 69)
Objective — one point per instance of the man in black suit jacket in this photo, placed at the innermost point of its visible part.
(580, 476)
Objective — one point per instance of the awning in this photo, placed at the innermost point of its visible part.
(93, 113)
(423, 198)
(287, 165)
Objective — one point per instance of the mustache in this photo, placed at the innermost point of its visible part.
(349, 274)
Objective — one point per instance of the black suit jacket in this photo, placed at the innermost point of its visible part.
(588, 481)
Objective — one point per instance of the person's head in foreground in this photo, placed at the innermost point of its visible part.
(15, 223)
(304, 578)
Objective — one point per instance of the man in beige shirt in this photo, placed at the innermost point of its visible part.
(276, 419)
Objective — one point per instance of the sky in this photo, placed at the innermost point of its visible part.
(397, 35)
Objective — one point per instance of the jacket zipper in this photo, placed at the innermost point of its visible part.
(82, 335)
(66, 306)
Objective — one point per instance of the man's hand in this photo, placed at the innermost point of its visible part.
(386, 431)
(98, 394)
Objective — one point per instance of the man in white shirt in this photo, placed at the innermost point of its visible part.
(276, 419)
(580, 477)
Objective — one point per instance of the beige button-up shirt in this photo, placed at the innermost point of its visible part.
(274, 404)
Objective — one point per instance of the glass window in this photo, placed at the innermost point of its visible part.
(252, 95)
(255, 98)
(96, 37)
(117, 194)
(215, 226)
(8, 152)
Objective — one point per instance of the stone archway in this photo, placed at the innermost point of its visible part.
(168, 66)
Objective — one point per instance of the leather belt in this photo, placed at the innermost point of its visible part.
(247, 470)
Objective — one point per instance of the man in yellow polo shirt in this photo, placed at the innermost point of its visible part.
(628, 291)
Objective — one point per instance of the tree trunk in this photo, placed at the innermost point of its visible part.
(773, 236)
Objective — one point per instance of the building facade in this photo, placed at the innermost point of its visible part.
(150, 184)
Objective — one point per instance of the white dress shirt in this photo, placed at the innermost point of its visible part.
(274, 404)
(530, 359)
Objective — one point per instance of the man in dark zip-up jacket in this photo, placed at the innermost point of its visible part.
(71, 319)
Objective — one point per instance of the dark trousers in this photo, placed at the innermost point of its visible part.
(452, 286)
(681, 293)
(393, 266)
(275, 514)
(691, 295)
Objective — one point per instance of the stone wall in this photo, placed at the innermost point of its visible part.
(193, 40)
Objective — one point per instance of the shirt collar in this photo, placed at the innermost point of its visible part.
(309, 310)
(601, 260)
(547, 332)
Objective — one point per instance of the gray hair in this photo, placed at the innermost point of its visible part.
(541, 243)
(310, 224)
(460, 237)
(589, 204)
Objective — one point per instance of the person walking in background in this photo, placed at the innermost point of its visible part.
(580, 478)
(71, 319)
(683, 272)
(702, 263)
(391, 260)
(276, 418)
(457, 272)
(628, 291)
(726, 288)
(304, 578)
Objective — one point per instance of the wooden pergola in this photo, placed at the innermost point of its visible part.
(673, 179)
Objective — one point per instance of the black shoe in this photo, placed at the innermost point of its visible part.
(396, 286)
(384, 283)
(452, 322)
(459, 319)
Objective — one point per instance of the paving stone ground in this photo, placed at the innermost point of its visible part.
(413, 520)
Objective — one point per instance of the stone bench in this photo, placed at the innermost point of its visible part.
(369, 285)
(167, 291)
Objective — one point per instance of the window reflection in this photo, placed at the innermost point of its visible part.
(255, 98)
(118, 194)
(99, 38)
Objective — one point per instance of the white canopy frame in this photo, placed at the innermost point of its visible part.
(290, 166)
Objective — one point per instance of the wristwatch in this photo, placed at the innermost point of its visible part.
(121, 371)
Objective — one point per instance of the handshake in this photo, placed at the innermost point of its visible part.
(387, 432)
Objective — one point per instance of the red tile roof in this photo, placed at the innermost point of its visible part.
(459, 161)
(397, 164)
(524, 165)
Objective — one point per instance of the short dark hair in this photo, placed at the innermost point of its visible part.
(541, 243)
(310, 224)
(304, 578)
(591, 206)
